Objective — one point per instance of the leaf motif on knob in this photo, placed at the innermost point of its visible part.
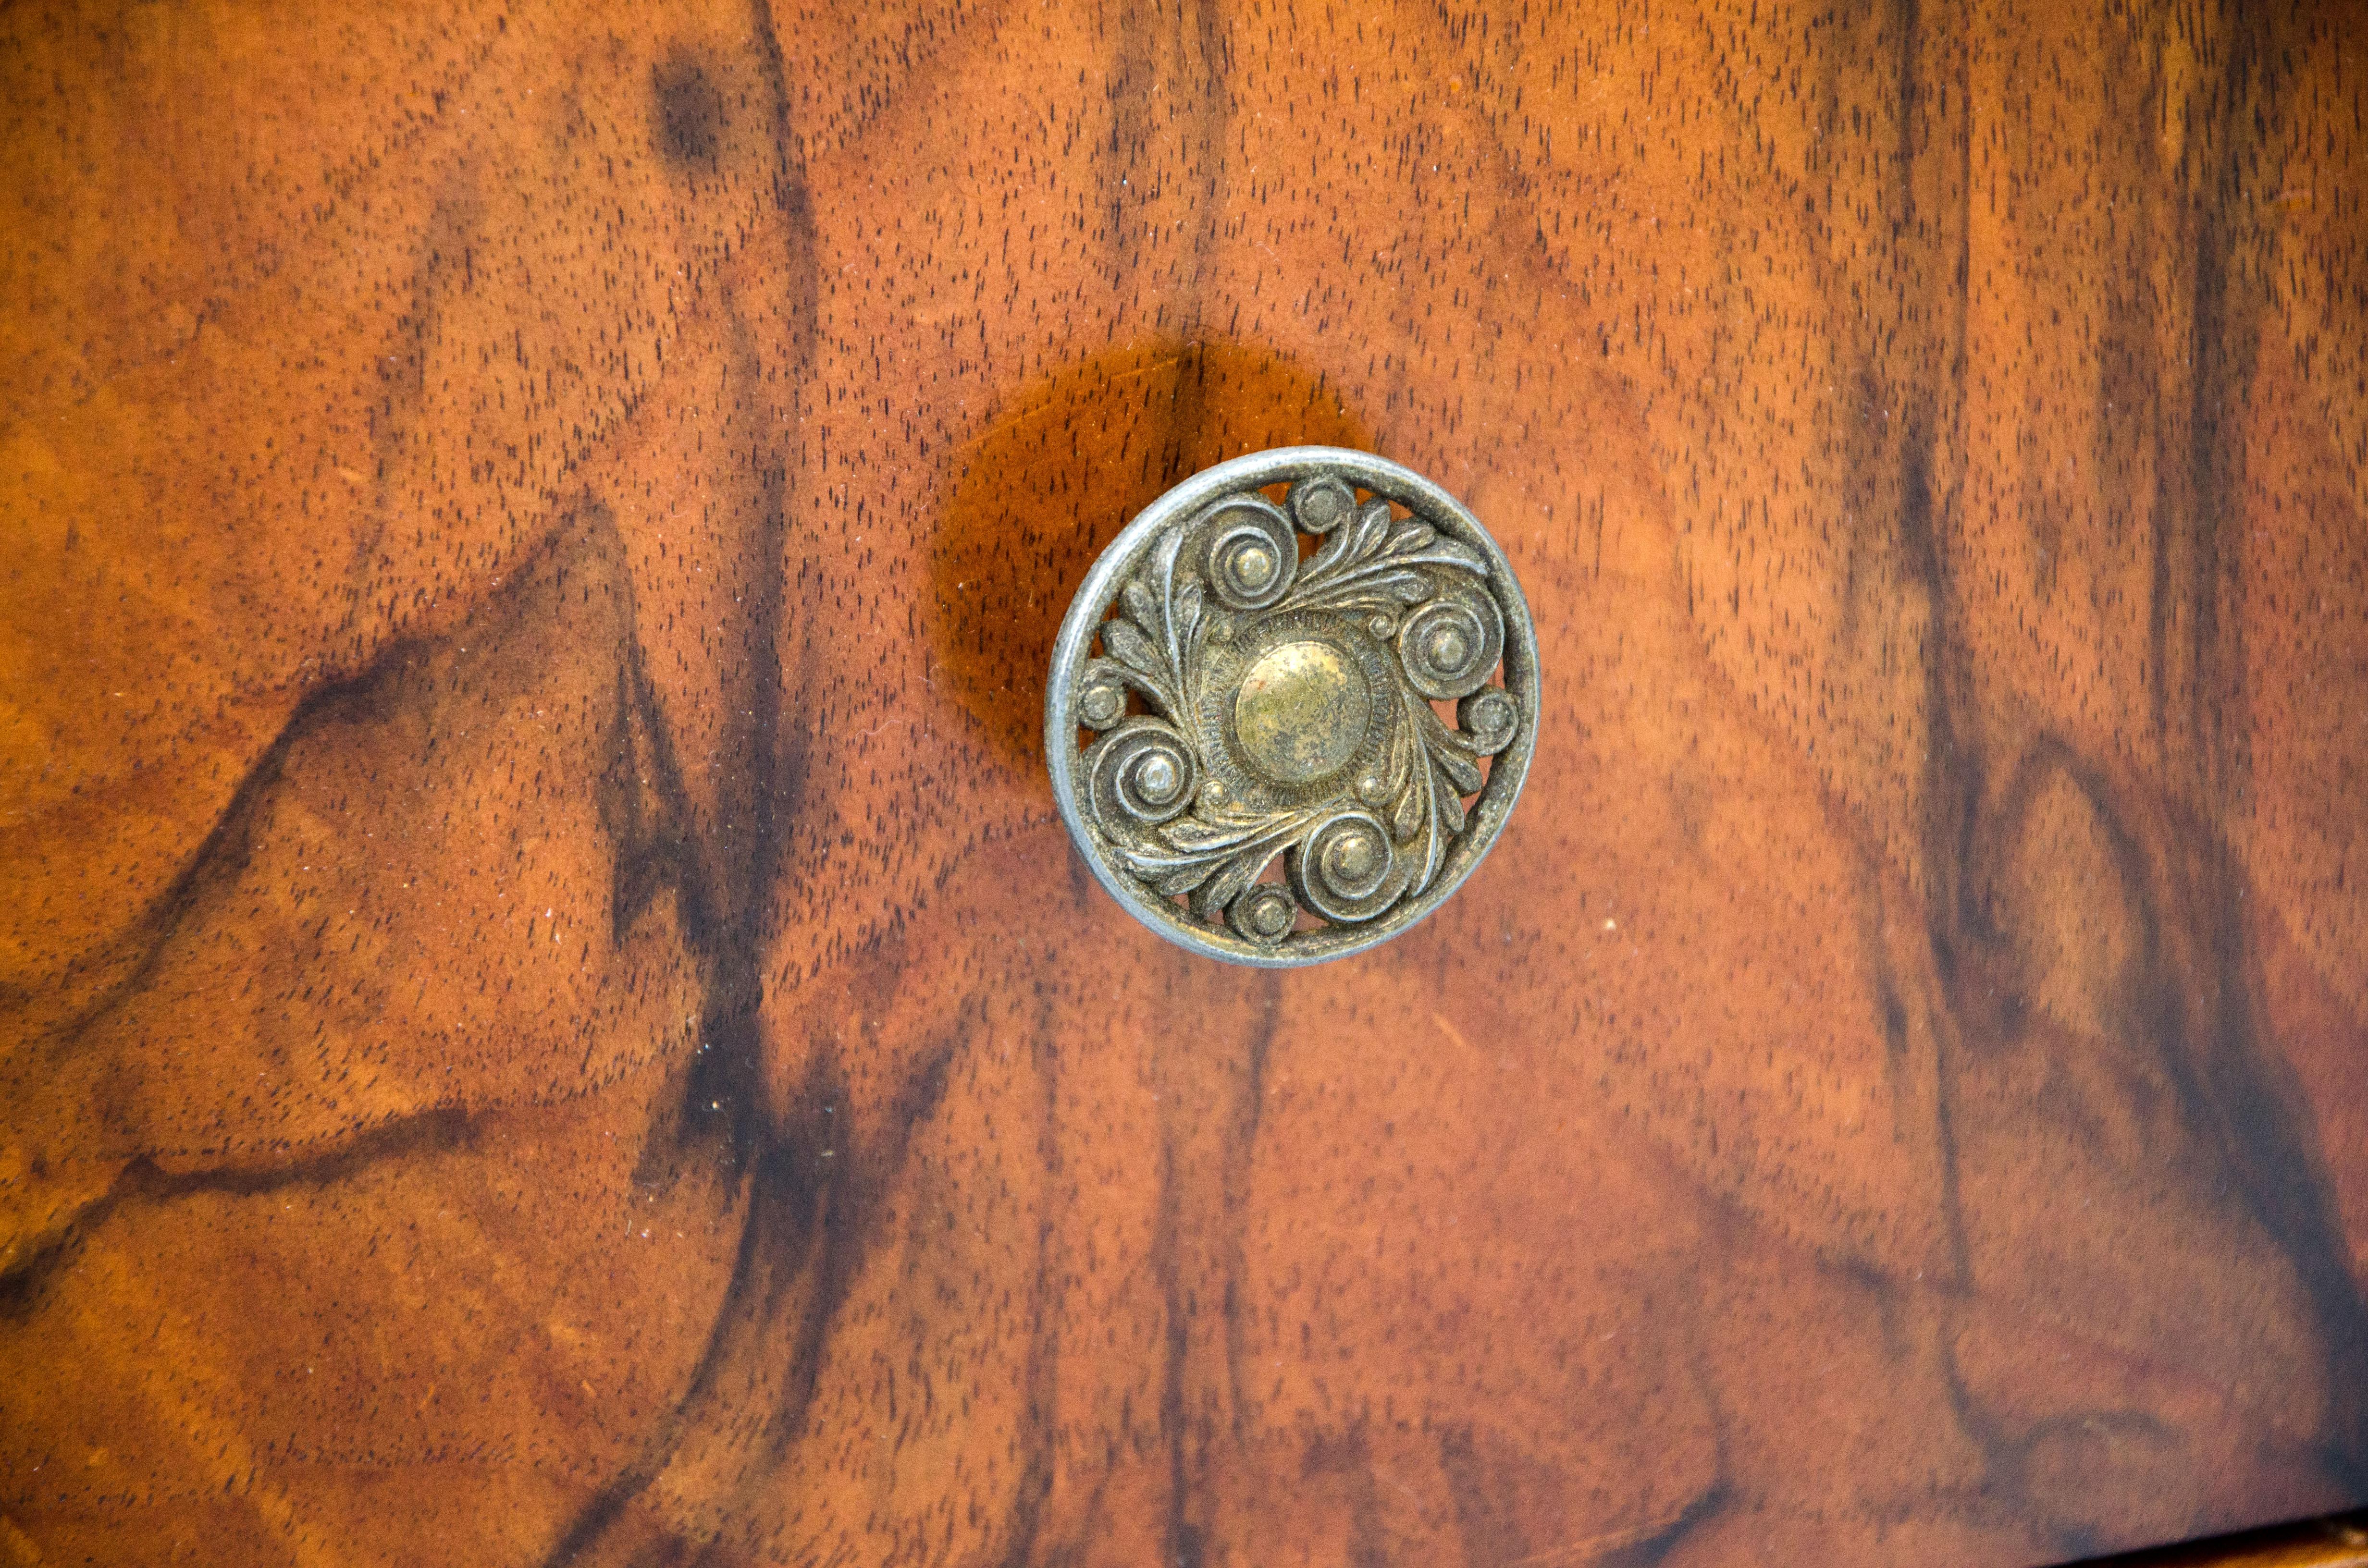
(1387, 615)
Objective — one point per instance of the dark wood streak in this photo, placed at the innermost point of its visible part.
(549, 1016)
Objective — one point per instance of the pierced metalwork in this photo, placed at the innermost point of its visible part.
(1219, 704)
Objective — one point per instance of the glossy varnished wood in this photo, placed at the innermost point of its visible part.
(549, 1017)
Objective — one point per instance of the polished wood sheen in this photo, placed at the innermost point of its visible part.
(549, 1017)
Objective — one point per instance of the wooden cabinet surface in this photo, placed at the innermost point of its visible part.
(546, 1015)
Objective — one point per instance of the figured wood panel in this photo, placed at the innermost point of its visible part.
(550, 1018)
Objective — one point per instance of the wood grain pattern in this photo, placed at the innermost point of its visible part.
(550, 1018)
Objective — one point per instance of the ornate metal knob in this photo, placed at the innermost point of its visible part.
(1245, 737)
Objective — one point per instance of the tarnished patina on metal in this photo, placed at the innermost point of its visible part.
(1219, 706)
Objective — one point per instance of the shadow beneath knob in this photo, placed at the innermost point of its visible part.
(1060, 469)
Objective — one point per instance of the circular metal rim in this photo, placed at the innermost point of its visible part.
(1507, 772)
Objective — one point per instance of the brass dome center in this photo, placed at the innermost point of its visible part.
(1302, 711)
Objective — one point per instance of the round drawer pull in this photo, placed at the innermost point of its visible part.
(1245, 737)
